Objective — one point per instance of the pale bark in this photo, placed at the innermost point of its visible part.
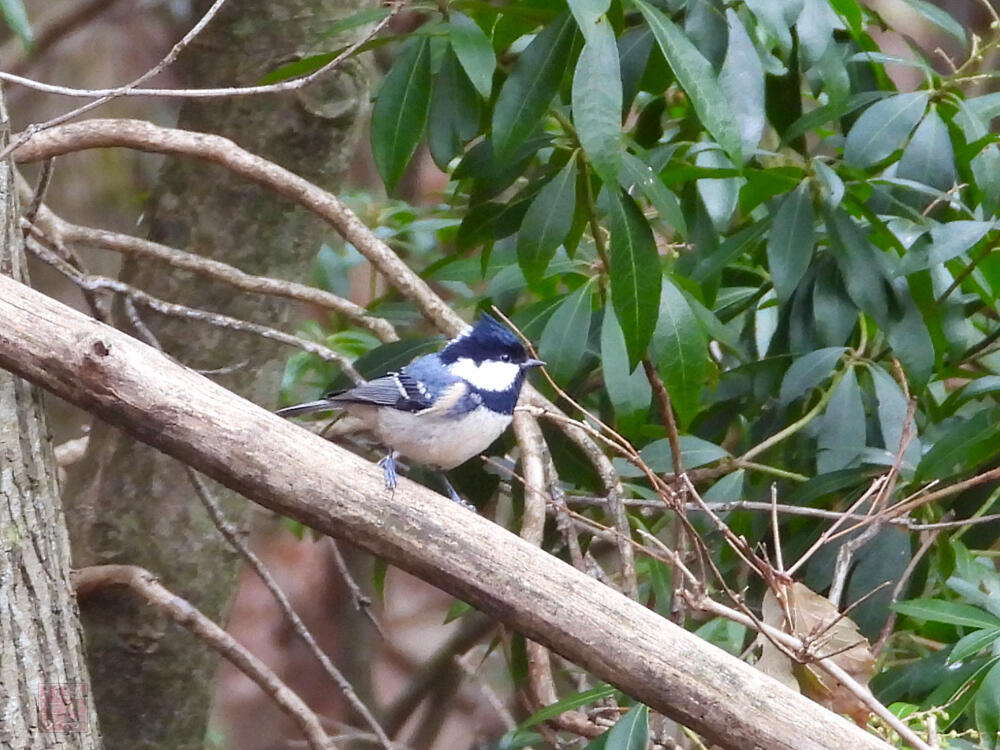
(43, 673)
(302, 476)
(129, 504)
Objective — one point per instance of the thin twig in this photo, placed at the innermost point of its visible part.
(72, 234)
(88, 581)
(103, 284)
(44, 180)
(132, 89)
(232, 536)
(362, 603)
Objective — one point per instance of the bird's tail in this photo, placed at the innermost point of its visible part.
(310, 407)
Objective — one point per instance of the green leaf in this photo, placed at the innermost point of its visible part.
(569, 703)
(952, 613)
(807, 372)
(695, 452)
(631, 732)
(973, 643)
(681, 352)
(547, 222)
(628, 389)
(474, 51)
(695, 75)
(842, 428)
(635, 273)
(597, 101)
(883, 127)
(961, 448)
(908, 335)
(947, 241)
(940, 18)
(363, 17)
(637, 174)
(742, 81)
(17, 19)
(892, 411)
(454, 113)
(534, 81)
(790, 245)
(861, 265)
(588, 14)
(720, 196)
(929, 158)
(400, 112)
(564, 340)
(987, 707)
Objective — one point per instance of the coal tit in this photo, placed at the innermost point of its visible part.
(443, 408)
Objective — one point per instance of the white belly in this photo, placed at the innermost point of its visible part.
(432, 440)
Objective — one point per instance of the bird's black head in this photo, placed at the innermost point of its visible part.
(489, 340)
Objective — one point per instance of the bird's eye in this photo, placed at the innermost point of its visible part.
(505, 358)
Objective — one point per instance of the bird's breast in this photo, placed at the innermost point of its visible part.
(440, 440)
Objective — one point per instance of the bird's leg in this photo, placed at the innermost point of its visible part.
(454, 495)
(388, 465)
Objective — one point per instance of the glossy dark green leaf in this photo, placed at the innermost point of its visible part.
(835, 110)
(879, 565)
(564, 340)
(815, 27)
(695, 452)
(400, 112)
(929, 157)
(696, 77)
(635, 275)
(908, 335)
(973, 643)
(534, 81)
(597, 100)
(808, 371)
(454, 113)
(862, 269)
(742, 81)
(628, 389)
(790, 244)
(547, 222)
(834, 314)
(841, 435)
(947, 241)
(883, 127)
(474, 51)
(17, 20)
(681, 352)
(961, 448)
(634, 47)
(770, 16)
(638, 175)
(892, 410)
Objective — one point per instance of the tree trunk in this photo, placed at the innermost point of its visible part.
(129, 503)
(45, 697)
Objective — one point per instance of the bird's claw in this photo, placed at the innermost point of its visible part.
(455, 498)
(388, 465)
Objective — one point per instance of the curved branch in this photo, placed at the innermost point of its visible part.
(304, 477)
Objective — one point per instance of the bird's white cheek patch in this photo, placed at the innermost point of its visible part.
(486, 376)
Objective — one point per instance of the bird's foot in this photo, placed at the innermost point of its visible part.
(388, 465)
(455, 498)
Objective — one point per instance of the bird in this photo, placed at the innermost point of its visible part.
(443, 408)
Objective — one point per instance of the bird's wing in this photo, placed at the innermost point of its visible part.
(397, 390)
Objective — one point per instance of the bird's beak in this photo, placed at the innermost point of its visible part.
(528, 364)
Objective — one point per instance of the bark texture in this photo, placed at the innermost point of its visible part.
(302, 476)
(43, 673)
(130, 504)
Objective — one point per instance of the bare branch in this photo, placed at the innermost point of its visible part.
(88, 581)
(304, 477)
